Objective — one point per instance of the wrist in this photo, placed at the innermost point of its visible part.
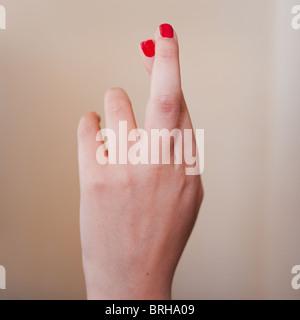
(112, 287)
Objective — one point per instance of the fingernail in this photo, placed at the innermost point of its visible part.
(166, 30)
(148, 48)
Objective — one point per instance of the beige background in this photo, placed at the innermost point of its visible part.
(241, 75)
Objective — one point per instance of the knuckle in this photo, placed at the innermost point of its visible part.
(167, 103)
(116, 100)
(117, 106)
(91, 183)
(167, 50)
(124, 180)
(95, 186)
(99, 184)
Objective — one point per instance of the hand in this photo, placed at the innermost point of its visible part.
(136, 219)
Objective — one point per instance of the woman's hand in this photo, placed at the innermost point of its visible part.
(136, 219)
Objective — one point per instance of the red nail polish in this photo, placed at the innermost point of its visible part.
(148, 48)
(166, 30)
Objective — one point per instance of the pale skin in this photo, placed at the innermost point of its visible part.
(135, 220)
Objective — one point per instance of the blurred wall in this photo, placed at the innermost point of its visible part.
(283, 218)
(239, 70)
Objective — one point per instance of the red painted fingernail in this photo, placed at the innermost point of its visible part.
(148, 48)
(166, 30)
